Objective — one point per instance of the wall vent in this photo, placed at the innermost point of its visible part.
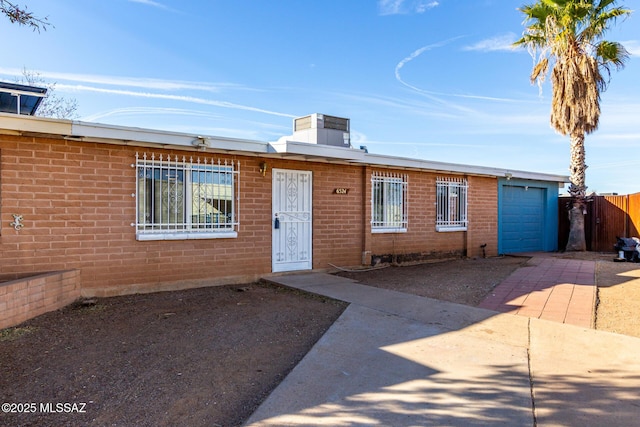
(337, 123)
(302, 123)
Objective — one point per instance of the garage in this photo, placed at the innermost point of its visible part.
(526, 220)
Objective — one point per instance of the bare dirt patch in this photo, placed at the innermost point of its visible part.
(463, 281)
(202, 357)
(209, 357)
(618, 307)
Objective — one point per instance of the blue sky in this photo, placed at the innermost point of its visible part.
(429, 79)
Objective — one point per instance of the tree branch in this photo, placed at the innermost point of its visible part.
(21, 16)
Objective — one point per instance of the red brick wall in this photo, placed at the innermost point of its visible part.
(76, 201)
(483, 216)
(77, 204)
(423, 241)
(338, 221)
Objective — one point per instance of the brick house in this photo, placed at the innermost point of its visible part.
(124, 210)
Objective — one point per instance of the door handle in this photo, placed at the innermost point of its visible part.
(276, 222)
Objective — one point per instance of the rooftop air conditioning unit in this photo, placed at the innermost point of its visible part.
(322, 129)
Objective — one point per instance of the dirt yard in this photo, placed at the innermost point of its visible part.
(463, 281)
(208, 357)
(202, 357)
(618, 298)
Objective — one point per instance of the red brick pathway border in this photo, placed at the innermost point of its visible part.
(560, 290)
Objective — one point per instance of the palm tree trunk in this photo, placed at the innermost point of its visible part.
(578, 192)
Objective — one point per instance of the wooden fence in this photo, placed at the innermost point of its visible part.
(607, 217)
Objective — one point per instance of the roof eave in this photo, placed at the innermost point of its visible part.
(308, 150)
(101, 133)
(12, 124)
(444, 167)
(164, 139)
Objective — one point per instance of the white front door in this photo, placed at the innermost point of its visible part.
(291, 220)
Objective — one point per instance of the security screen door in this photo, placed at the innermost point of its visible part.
(291, 220)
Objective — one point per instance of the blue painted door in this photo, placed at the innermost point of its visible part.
(522, 219)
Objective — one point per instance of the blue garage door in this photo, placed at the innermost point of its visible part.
(522, 219)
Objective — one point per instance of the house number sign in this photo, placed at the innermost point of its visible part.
(341, 191)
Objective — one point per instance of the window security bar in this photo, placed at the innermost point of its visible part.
(176, 195)
(451, 203)
(389, 201)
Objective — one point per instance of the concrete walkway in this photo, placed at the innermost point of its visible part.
(394, 359)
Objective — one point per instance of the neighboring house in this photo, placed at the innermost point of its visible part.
(20, 99)
(136, 210)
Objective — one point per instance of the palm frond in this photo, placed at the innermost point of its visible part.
(565, 33)
(612, 53)
(600, 20)
(540, 71)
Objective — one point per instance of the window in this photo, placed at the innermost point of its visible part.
(388, 202)
(451, 204)
(180, 199)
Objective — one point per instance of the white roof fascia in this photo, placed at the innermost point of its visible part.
(95, 132)
(443, 167)
(101, 133)
(133, 136)
(295, 148)
(22, 92)
(317, 150)
(20, 123)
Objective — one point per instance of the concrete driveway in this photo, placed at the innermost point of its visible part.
(394, 359)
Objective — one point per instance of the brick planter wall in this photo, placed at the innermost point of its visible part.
(27, 297)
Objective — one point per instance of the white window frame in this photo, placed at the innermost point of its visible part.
(389, 202)
(451, 204)
(202, 198)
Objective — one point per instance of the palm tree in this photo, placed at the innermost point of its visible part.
(567, 36)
